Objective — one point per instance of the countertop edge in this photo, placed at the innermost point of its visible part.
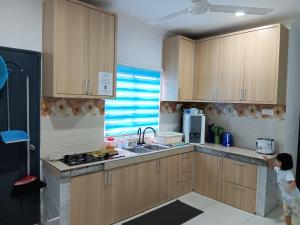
(233, 155)
(148, 157)
(250, 157)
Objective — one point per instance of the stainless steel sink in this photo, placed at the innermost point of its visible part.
(139, 150)
(146, 148)
(154, 147)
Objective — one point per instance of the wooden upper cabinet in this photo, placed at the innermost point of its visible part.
(101, 46)
(231, 68)
(265, 65)
(248, 66)
(73, 71)
(206, 69)
(186, 69)
(178, 65)
(79, 41)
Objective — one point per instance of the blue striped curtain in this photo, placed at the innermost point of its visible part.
(136, 104)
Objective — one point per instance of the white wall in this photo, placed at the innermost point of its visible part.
(139, 44)
(21, 24)
(293, 91)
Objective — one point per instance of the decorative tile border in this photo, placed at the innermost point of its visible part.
(170, 107)
(228, 109)
(71, 107)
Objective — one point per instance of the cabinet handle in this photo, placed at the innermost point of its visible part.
(238, 164)
(157, 166)
(213, 94)
(179, 94)
(86, 87)
(109, 178)
(245, 91)
(241, 95)
(91, 87)
(186, 155)
(105, 178)
(237, 187)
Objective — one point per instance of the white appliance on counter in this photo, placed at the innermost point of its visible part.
(265, 146)
(193, 127)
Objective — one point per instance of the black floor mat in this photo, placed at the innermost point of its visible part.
(175, 213)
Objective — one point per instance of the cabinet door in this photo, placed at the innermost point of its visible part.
(231, 68)
(124, 186)
(186, 69)
(261, 65)
(206, 69)
(239, 196)
(208, 175)
(86, 199)
(101, 47)
(168, 178)
(240, 173)
(148, 194)
(73, 64)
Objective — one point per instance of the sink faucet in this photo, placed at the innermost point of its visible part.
(139, 132)
(143, 140)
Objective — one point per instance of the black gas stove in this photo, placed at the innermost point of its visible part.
(83, 158)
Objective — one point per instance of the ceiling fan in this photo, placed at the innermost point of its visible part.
(198, 7)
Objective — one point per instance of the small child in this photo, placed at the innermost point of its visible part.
(286, 181)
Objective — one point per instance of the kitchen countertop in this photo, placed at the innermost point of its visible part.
(240, 154)
(235, 153)
(62, 170)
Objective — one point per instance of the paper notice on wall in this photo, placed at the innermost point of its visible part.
(105, 83)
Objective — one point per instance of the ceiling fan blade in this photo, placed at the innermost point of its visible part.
(171, 16)
(234, 9)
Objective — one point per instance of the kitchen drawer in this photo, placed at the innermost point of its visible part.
(185, 173)
(185, 159)
(238, 196)
(184, 187)
(240, 173)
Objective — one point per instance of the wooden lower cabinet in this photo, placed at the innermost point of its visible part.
(240, 173)
(148, 196)
(168, 178)
(239, 196)
(185, 173)
(124, 187)
(90, 200)
(108, 197)
(208, 175)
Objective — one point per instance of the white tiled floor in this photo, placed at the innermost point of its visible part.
(216, 213)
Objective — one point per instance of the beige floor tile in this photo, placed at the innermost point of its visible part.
(227, 215)
(197, 201)
(274, 218)
(202, 220)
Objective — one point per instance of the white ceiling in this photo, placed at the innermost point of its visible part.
(149, 10)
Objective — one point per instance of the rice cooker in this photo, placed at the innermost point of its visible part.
(265, 146)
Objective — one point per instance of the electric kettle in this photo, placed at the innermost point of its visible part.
(227, 139)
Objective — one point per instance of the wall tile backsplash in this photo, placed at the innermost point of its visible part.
(77, 125)
(71, 107)
(228, 109)
(71, 126)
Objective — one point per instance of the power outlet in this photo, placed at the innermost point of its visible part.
(270, 112)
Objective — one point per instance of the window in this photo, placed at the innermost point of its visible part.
(136, 104)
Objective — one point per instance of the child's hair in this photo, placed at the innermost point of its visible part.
(286, 161)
